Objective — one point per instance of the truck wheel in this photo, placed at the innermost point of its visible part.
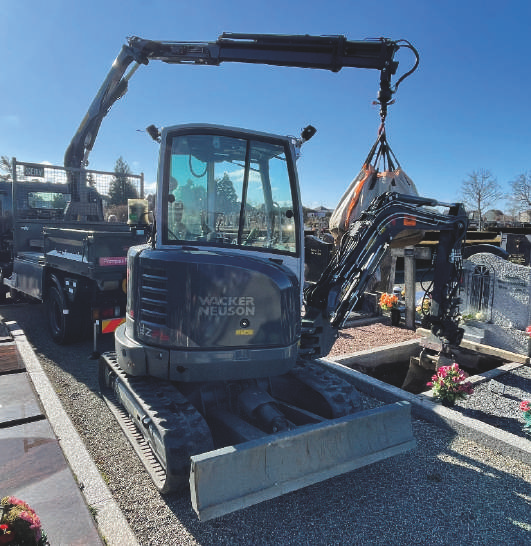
(63, 326)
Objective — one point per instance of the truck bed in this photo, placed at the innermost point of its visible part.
(95, 252)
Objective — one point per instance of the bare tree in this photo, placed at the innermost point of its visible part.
(480, 190)
(521, 191)
(5, 167)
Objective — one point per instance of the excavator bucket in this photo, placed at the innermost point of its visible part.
(235, 477)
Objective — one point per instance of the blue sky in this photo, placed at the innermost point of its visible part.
(466, 108)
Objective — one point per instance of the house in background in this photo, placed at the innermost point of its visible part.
(317, 219)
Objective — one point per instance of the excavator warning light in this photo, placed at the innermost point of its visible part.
(308, 133)
(153, 132)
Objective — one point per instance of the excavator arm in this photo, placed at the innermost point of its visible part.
(321, 52)
(329, 301)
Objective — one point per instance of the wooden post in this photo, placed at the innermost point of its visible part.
(411, 254)
(410, 274)
(392, 275)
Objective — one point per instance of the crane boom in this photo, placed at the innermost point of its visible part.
(319, 52)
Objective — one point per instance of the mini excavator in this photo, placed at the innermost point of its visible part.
(216, 378)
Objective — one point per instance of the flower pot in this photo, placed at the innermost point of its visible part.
(395, 317)
(447, 403)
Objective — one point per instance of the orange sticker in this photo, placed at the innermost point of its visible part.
(410, 221)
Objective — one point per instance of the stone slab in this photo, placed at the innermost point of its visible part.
(17, 399)
(497, 293)
(110, 520)
(9, 359)
(33, 468)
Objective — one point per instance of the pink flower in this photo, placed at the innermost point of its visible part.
(528, 330)
(17, 502)
(525, 404)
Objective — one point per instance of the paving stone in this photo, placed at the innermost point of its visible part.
(17, 399)
(33, 468)
(9, 359)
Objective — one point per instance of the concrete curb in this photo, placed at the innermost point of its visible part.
(424, 407)
(111, 522)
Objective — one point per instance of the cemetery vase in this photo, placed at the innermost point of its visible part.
(395, 317)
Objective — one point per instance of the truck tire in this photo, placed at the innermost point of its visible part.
(64, 327)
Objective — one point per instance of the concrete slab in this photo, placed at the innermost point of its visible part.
(33, 468)
(110, 520)
(18, 402)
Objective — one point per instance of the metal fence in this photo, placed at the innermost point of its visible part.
(48, 191)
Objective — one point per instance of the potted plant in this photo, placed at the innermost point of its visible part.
(450, 384)
(19, 524)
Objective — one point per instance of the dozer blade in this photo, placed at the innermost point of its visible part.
(235, 477)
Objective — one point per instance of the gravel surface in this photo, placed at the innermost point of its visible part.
(497, 401)
(370, 336)
(448, 490)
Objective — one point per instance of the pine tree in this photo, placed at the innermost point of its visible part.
(121, 188)
(5, 166)
(226, 198)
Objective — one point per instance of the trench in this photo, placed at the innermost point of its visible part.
(497, 394)
(394, 372)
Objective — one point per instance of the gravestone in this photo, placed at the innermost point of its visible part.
(518, 246)
(497, 302)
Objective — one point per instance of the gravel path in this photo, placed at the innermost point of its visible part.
(446, 491)
(497, 401)
(369, 336)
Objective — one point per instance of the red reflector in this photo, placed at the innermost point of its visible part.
(107, 313)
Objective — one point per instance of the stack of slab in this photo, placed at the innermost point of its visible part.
(32, 465)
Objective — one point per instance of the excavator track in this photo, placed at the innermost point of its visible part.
(139, 443)
(340, 396)
(159, 422)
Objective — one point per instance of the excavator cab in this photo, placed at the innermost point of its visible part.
(231, 189)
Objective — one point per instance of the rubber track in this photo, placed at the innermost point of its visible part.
(181, 426)
(140, 445)
(341, 396)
